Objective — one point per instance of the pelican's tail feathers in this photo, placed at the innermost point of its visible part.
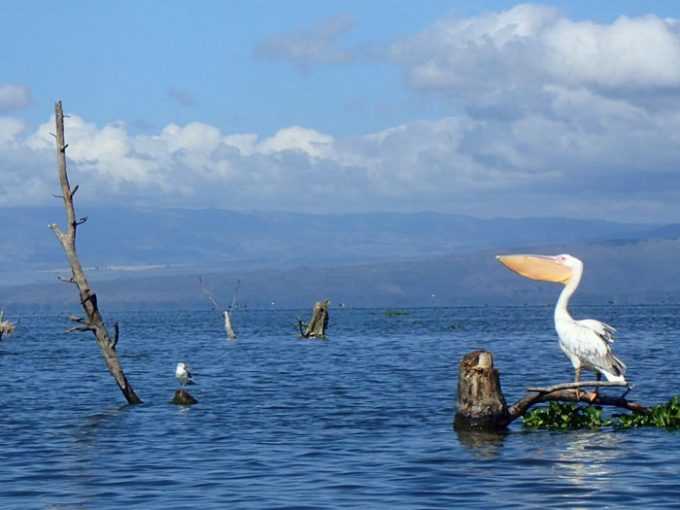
(615, 369)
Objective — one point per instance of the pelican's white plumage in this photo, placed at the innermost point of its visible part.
(587, 342)
(183, 374)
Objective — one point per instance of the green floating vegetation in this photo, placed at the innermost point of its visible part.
(565, 416)
(663, 415)
(571, 416)
(396, 313)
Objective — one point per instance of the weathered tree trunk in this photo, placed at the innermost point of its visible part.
(317, 326)
(88, 299)
(481, 404)
(231, 334)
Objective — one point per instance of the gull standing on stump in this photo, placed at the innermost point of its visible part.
(183, 374)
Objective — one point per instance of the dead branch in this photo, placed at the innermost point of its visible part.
(217, 307)
(580, 384)
(564, 395)
(225, 313)
(6, 326)
(88, 298)
(116, 332)
(80, 328)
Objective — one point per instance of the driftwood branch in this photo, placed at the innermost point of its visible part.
(88, 299)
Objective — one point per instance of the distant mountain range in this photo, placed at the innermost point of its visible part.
(150, 258)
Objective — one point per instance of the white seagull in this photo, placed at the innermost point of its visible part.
(183, 374)
(587, 343)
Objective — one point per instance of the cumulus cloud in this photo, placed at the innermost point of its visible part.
(506, 60)
(605, 158)
(14, 97)
(560, 118)
(317, 44)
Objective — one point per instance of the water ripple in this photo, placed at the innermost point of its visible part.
(362, 420)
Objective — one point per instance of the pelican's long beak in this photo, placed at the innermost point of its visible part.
(538, 267)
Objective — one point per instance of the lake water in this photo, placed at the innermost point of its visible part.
(361, 420)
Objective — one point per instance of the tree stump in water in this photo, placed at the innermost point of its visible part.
(183, 398)
(480, 404)
(317, 326)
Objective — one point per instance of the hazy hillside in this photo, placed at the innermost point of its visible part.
(117, 238)
(150, 258)
(634, 273)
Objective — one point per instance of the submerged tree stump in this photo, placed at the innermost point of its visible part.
(6, 327)
(183, 398)
(317, 326)
(481, 404)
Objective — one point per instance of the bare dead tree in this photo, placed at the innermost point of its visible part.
(226, 313)
(88, 299)
(481, 404)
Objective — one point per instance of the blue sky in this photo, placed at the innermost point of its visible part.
(482, 108)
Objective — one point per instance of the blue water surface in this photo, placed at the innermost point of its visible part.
(360, 420)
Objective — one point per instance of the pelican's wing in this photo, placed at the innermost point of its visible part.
(604, 331)
(589, 341)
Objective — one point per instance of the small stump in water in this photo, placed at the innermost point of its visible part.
(480, 405)
(183, 398)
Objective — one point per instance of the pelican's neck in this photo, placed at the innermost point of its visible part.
(561, 311)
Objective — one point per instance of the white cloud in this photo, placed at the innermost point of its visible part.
(14, 97)
(311, 142)
(628, 54)
(561, 118)
(512, 56)
(585, 156)
(10, 129)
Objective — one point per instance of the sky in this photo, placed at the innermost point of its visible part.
(485, 108)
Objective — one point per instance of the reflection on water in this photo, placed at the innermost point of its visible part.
(588, 457)
(482, 444)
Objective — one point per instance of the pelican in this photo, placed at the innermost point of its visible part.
(587, 342)
(183, 374)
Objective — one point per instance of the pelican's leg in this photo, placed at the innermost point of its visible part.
(578, 377)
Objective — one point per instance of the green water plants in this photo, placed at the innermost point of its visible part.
(558, 415)
(565, 416)
(663, 415)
